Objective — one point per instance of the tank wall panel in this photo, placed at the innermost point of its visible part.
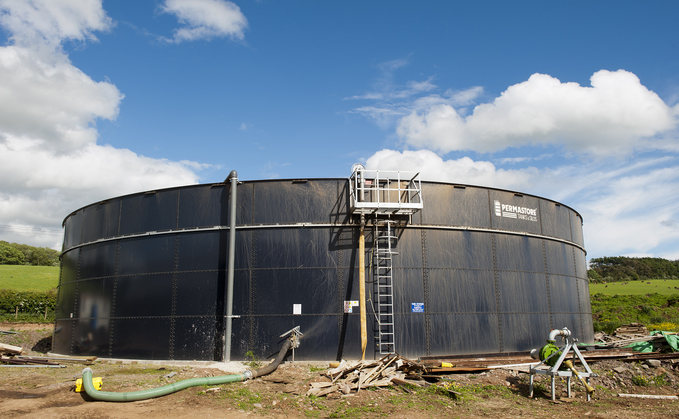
(101, 220)
(69, 266)
(62, 338)
(149, 212)
(523, 292)
(201, 251)
(66, 307)
(279, 290)
(410, 240)
(146, 255)
(580, 263)
(98, 260)
(504, 222)
(244, 287)
(464, 333)
(519, 253)
(288, 202)
(519, 330)
(201, 206)
(583, 292)
(73, 229)
(461, 291)
(555, 220)
(562, 288)
(244, 205)
(559, 258)
(194, 338)
(93, 341)
(147, 338)
(455, 206)
(408, 289)
(94, 299)
(410, 335)
(144, 295)
(198, 293)
(458, 249)
(294, 248)
(576, 228)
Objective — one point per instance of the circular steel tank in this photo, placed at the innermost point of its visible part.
(143, 276)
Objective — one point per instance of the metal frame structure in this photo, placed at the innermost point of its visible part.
(555, 371)
(385, 192)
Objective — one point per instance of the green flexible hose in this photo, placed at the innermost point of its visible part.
(131, 396)
(109, 396)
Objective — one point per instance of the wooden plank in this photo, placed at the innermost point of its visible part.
(10, 349)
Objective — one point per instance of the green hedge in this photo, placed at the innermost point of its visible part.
(27, 301)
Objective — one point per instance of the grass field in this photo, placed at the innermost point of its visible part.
(660, 286)
(29, 278)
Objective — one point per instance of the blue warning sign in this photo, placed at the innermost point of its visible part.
(417, 307)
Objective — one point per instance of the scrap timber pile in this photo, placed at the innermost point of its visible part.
(350, 377)
(10, 355)
(633, 335)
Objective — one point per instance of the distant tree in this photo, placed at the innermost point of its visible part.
(29, 255)
(9, 255)
(38, 256)
(620, 268)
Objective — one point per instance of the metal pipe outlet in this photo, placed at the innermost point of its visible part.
(229, 281)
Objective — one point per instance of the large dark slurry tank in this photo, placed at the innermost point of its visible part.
(465, 270)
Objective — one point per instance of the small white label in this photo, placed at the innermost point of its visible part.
(349, 305)
(296, 309)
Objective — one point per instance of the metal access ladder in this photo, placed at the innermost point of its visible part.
(385, 241)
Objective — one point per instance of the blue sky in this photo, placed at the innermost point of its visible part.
(574, 101)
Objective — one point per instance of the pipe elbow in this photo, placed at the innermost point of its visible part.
(559, 332)
(232, 175)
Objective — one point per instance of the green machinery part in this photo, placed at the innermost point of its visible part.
(548, 350)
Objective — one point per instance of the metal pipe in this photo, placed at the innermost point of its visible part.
(229, 281)
(558, 332)
(361, 282)
(362, 184)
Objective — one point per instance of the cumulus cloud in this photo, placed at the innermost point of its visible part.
(51, 21)
(610, 117)
(206, 19)
(629, 204)
(52, 101)
(57, 184)
(628, 207)
(50, 162)
(464, 170)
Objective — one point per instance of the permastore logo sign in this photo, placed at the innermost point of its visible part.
(513, 211)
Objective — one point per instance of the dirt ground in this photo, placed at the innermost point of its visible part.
(47, 392)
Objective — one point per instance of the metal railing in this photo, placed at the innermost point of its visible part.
(385, 192)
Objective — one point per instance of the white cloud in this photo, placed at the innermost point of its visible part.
(464, 170)
(50, 162)
(615, 116)
(206, 19)
(52, 101)
(53, 21)
(629, 203)
(41, 187)
(628, 208)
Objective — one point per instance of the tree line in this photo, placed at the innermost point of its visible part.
(23, 254)
(622, 268)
